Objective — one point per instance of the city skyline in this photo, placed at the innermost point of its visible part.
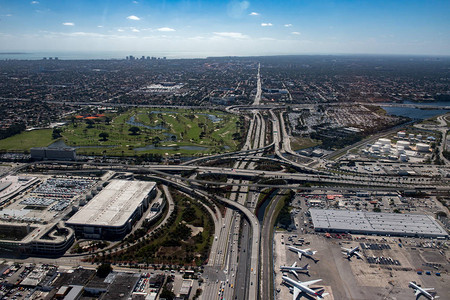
(216, 28)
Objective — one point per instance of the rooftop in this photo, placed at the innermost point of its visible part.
(114, 205)
(123, 285)
(372, 222)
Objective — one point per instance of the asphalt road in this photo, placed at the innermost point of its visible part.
(243, 271)
(266, 247)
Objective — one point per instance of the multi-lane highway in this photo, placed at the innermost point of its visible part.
(226, 256)
(233, 269)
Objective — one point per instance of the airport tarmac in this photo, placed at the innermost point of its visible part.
(357, 278)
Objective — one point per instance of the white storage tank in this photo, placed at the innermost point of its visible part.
(422, 147)
(411, 136)
(400, 149)
(401, 134)
(384, 141)
(419, 137)
(376, 147)
(386, 148)
(403, 157)
(405, 144)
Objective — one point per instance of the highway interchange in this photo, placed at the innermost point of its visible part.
(247, 281)
(238, 263)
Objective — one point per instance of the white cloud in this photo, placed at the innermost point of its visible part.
(100, 26)
(266, 24)
(134, 18)
(135, 2)
(68, 24)
(86, 34)
(165, 29)
(253, 14)
(135, 30)
(34, 2)
(198, 37)
(120, 30)
(296, 33)
(287, 25)
(235, 9)
(234, 35)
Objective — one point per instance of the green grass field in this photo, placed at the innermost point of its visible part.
(189, 132)
(298, 143)
(27, 140)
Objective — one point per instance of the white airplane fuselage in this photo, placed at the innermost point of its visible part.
(351, 252)
(301, 287)
(422, 291)
(305, 252)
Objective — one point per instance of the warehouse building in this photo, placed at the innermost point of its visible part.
(358, 222)
(112, 212)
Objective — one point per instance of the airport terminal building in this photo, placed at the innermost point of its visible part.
(359, 222)
(112, 213)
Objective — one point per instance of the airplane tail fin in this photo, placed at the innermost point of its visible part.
(306, 267)
(321, 294)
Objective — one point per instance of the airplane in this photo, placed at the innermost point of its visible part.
(306, 252)
(422, 291)
(351, 252)
(293, 269)
(303, 287)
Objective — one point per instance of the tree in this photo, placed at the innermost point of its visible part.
(104, 136)
(156, 140)
(90, 123)
(134, 130)
(56, 134)
(107, 120)
(103, 270)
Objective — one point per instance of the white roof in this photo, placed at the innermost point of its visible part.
(372, 222)
(114, 205)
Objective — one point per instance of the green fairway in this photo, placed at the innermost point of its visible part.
(27, 140)
(188, 132)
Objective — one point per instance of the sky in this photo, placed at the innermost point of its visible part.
(200, 28)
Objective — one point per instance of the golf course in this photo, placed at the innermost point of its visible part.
(138, 131)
